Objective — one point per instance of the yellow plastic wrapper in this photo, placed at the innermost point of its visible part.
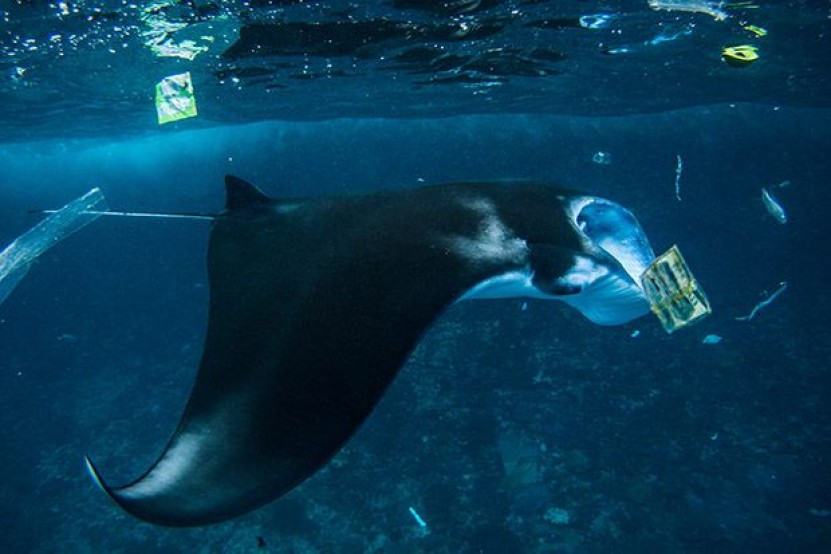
(673, 293)
(175, 99)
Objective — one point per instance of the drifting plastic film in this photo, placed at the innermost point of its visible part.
(18, 257)
(175, 99)
(673, 293)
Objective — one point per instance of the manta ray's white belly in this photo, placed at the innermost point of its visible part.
(605, 299)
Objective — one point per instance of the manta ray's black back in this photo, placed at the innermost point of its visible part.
(314, 307)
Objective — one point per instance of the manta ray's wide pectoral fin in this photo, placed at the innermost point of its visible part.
(311, 316)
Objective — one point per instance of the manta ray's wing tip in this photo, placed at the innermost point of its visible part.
(96, 476)
(157, 509)
(110, 492)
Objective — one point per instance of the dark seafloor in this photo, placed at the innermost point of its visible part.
(515, 427)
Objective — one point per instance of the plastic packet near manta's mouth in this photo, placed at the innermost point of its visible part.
(673, 293)
(665, 282)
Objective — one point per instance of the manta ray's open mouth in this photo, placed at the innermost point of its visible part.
(615, 230)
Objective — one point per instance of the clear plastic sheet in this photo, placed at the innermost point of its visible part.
(18, 257)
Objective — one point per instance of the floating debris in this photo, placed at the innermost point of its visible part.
(602, 158)
(772, 204)
(679, 168)
(170, 38)
(673, 293)
(596, 21)
(17, 258)
(713, 9)
(756, 30)
(187, 49)
(175, 99)
(766, 301)
(421, 523)
(635, 334)
(740, 56)
(711, 339)
(669, 37)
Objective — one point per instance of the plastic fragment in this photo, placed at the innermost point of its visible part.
(187, 49)
(175, 99)
(421, 523)
(18, 257)
(679, 169)
(602, 158)
(773, 206)
(673, 293)
(171, 38)
(712, 339)
(713, 9)
(669, 37)
(740, 56)
(756, 30)
(596, 21)
(766, 301)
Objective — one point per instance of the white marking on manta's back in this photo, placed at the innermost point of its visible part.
(494, 241)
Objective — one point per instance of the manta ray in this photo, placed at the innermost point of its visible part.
(315, 305)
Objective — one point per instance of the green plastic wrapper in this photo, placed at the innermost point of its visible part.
(175, 99)
(673, 293)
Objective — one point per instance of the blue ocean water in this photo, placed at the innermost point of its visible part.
(515, 426)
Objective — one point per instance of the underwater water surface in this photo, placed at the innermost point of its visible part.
(515, 426)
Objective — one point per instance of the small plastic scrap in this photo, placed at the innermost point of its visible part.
(673, 293)
(679, 169)
(187, 49)
(756, 30)
(772, 204)
(712, 339)
(602, 158)
(635, 334)
(175, 99)
(713, 9)
(740, 56)
(596, 21)
(669, 37)
(169, 38)
(18, 257)
(766, 301)
(421, 523)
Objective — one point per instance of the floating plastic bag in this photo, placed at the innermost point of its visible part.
(18, 257)
(673, 293)
(713, 9)
(175, 99)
